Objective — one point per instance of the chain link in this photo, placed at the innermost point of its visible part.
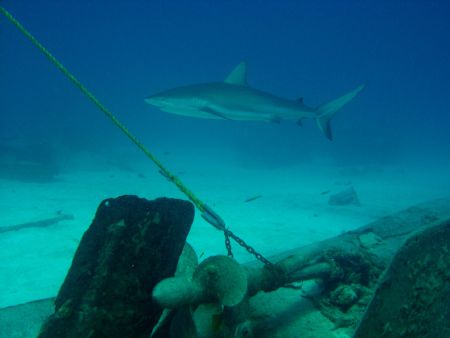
(228, 244)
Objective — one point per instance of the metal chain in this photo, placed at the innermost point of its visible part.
(215, 220)
(228, 244)
(229, 234)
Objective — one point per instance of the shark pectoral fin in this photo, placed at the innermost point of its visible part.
(216, 113)
(276, 119)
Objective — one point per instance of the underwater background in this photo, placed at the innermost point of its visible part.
(124, 51)
(392, 142)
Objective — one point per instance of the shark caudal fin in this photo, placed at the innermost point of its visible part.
(326, 111)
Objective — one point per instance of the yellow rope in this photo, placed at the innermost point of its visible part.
(197, 202)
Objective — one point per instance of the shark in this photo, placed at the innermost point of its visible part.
(233, 99)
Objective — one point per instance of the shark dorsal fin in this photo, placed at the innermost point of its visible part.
(238, 76)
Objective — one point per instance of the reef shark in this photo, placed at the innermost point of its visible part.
(234, 99)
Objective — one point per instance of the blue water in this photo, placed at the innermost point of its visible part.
(124, 51)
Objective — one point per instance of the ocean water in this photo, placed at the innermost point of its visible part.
(59, 154)
(125, 51)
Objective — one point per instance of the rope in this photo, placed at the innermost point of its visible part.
(207, 213)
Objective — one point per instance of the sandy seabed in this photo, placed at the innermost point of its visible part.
(292, 210)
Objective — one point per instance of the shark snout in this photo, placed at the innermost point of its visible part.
(157, 101)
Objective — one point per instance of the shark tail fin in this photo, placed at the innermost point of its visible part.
(327, 111)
